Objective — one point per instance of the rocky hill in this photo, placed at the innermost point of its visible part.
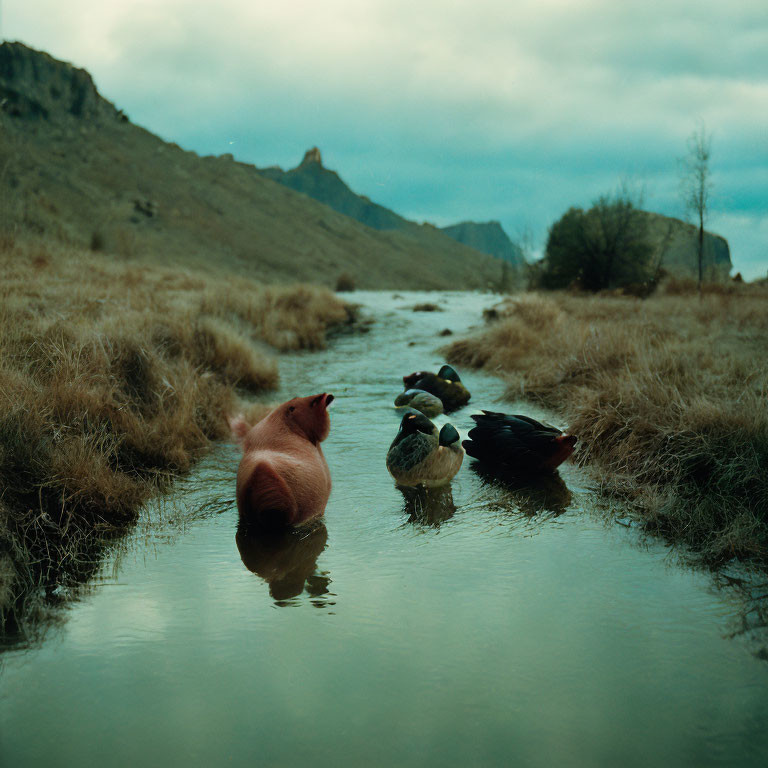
(74, 168)
(675, 243)
(313, 179)
(487, 237)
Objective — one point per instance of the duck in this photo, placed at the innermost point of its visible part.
(283, 480)
(422, 456)
(444, 384)
(517, 443)
(422, 401)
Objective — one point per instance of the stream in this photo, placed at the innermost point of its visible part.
(481, 626)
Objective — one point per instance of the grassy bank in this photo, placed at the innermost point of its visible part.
(667, 396)
(114, 379)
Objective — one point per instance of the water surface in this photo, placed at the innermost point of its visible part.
(483, 628)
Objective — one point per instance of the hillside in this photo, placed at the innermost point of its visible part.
(487, 237)
(74, 168)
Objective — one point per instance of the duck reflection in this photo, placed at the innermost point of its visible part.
(428, 506)
(531, 495)
(287, 561)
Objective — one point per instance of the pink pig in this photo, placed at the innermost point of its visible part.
(283, 478)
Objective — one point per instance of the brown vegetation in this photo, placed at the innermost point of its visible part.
(345, 282)
(114, 379)
(667, 396)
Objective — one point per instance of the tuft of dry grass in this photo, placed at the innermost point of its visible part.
(285, 317)
(667, 395)
(114, 379)
(345, 282)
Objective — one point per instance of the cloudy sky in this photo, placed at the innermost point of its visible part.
(486, 109)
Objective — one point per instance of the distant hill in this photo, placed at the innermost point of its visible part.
(313, 179)
(74, 168)
(675, 242)
(488, 237)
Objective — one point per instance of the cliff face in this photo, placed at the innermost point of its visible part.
(35, 86)
(488, 237)
(676, 243)
(75, 169)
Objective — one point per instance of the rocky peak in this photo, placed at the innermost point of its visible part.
(312, 157)
(35, 86)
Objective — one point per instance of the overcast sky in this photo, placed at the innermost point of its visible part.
(512, 110)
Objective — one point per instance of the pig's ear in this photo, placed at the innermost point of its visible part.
(324, 399)
(240, 428)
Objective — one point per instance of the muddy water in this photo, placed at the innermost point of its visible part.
(481, 627)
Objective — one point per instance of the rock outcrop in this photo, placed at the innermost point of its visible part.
(35, 86)
(312, 157)
(675, 242)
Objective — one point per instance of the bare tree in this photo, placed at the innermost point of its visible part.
(696, 184)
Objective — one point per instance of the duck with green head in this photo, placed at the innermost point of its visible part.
(444, 384)
(422, 456)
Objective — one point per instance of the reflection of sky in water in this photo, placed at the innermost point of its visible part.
(487, 634)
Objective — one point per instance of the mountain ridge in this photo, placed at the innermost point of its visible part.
(312, 178)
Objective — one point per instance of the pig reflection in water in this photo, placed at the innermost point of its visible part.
(286, 560)
(428, 506)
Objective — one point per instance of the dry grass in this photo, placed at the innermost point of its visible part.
(287, 318)
(114, 379)
(667, 396)
(345, 282)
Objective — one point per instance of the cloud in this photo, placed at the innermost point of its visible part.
(748, 241)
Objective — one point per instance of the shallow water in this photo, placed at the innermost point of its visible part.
(482, 628)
